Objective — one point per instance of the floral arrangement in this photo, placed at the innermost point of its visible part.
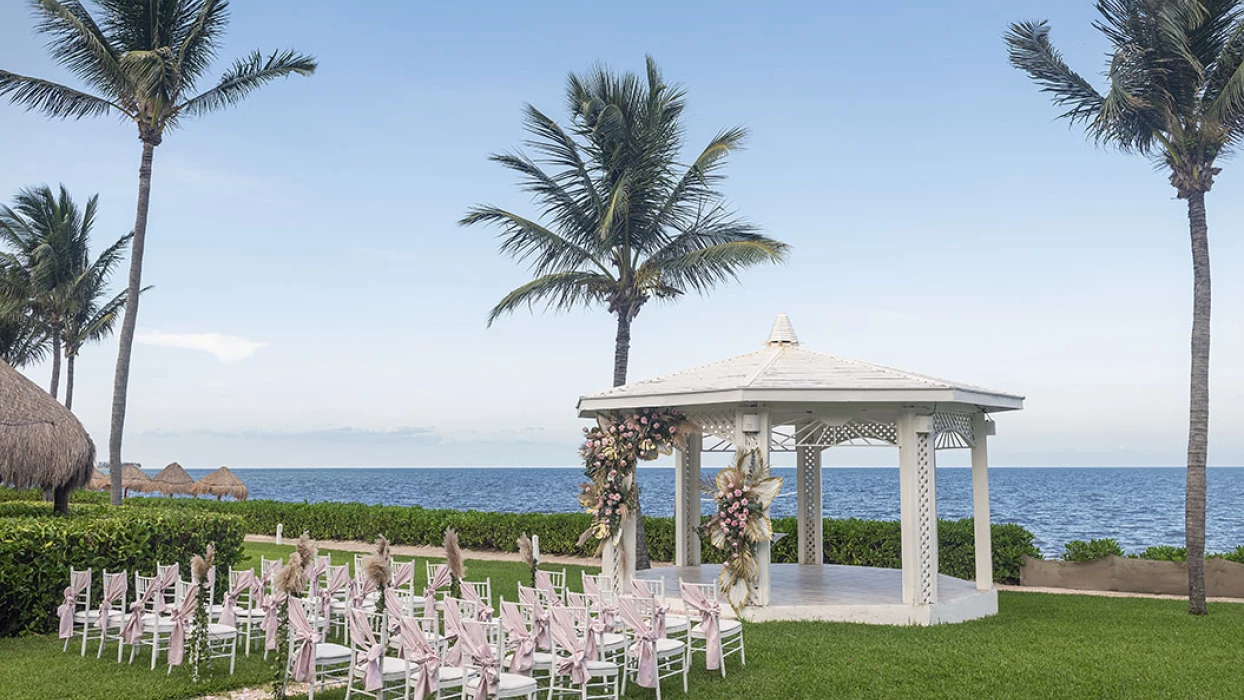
(743, 494)
(200, 566)
(610, 452)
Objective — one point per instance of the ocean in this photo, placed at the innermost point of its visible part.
(1138, 507)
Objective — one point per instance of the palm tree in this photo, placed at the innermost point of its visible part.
(623, 221)
(92, 315)
(1176, 96)
(47, 237)
(23, 339)
(143, 60)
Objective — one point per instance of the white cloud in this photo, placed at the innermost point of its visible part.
(226, 348)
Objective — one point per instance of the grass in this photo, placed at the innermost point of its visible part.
(1040, 645)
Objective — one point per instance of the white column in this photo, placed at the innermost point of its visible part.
(981, 430)
(918, 496)
(811, 522)
(618, 561)
(687, 503)
(751, 432)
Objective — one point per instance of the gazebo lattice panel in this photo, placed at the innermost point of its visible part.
(926, 520)
(953, 431)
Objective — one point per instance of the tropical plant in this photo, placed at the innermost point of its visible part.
(621, 221)
(1176, 96)
(23, 340)
(143, 59)
(92, 315)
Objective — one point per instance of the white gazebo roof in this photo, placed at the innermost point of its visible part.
(784, 372)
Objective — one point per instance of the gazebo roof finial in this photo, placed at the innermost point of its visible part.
(782, 333)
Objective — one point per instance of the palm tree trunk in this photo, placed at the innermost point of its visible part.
(1198, 410)
(69, 381)
(122, 381)
(55, 363)
(621, 357)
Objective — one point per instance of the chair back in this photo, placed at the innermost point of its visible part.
(484, 644)
(483, 589)
(358, 564)
(648, 587)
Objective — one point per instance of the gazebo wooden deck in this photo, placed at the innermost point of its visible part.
(784, 398)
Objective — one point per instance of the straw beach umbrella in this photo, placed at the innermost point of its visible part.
(99, 481)
(135, 479)
(173, 480)
(42, 444)
(220, 483)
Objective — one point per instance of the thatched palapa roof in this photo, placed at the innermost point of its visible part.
(135, 479)
(172, 480)
(42, 444)
(221, 482)
(99, 481)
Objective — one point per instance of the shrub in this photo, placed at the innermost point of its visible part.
(1079, 550)
(1164, 552)
(37, 549)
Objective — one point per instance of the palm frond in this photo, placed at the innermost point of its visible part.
(78, 44)
(1030, 50)
(526, 240)
(571, 209)
(53, 99)
(560, 291)
(247, 75)
(198, 37)
(704, 268)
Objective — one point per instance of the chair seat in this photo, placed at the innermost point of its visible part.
(165, 624)
(666, 647)
(611, 641)
(390, 668)
(241, 614)
(676, 623)
(93, 615)
(508, 684)
(219, 631)
(729, 627)
(601, 668)
(327, 654)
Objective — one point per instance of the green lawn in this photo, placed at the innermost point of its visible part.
(1039, 646)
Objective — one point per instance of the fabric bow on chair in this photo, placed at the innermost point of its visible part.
(415, 648)
(440, 578)
(710, 623)
(575, 664)
(80, 581)
(645, 643)
(404, 574)
(523, 657)
(483, 611)
(539, 618)
(183, 615)
(271, 619)
(114, 588)
(483, 658)
(453, 635)
(243, 583)
(132, 631)
(305, 639)
(361, 637)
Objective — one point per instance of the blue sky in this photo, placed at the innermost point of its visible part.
(942, 221)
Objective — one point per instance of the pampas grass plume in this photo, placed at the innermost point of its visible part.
(453, 554)
(293, 578)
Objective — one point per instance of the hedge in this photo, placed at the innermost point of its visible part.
(37, 549)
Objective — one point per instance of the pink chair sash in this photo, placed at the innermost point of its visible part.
(315, 572)
(115, 586)
(132, 631)
(404, 574)
(710, 622)
(362, 638)
(544, 582)
(539, 618)
(564, 633)
(645, 642)
(394, 609)
(360, 589)
(271, 619)
(182, 617)
(440, 578)
(483, 611)
(305, 639)
(78, 583)
(415, 648)
(453, 635)
(338, 579)
(245, 582)
(659, 608)
(523, 657)
(484, 660)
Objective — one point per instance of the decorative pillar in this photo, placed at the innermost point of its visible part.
(981, 430)
(618, 561)
(751, 432)
(918, 496)
(811, 520)
(687, 503)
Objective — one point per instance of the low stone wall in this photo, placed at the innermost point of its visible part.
(1223, 578)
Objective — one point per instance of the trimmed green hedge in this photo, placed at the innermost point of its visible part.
(849, 541)
(37, 549)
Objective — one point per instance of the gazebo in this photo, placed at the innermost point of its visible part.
(786, 398)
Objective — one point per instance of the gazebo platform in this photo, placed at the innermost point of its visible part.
(834, 593)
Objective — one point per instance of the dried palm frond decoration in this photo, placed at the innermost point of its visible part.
(292, 578)
(610, 452)
(527, 551)
(743, 494)
(200, 567)
(306, 549)
(377, 569)
(453, 560)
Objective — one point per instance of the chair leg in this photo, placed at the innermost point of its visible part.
(155, 648)
(86, 632)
